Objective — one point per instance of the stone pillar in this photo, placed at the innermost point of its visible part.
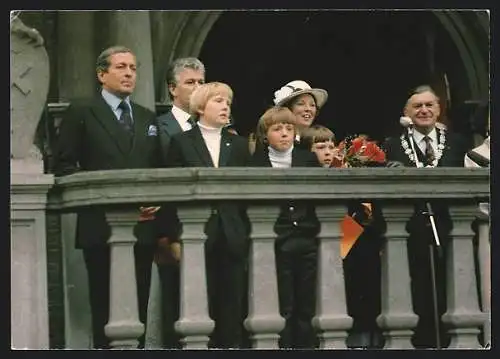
(124, 327)
(463, 316)
(77, 59)
(133, 30)
(397, 318)
(77, 313)
(331, 318)
(194, 324)
(484, 254)
(29, 301)
(76, 79)
(264, 321)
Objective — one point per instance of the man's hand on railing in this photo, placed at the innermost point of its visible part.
(148, 213)
(394, 164)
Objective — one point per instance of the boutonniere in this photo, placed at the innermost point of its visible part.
(152, 130)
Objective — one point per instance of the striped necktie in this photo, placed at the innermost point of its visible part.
(125, 117)
(429, 151)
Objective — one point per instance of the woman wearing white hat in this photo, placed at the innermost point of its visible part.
(302, 100)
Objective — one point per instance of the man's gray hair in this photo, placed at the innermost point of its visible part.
(179, 65)
(421, 89)
(102, 63)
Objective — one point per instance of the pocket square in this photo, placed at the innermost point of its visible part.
(152, 130)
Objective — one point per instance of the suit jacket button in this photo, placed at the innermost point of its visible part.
(295, 223)
(291, 209)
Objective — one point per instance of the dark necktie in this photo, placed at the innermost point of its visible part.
(429, 151)
(125, 118)
(192, 122)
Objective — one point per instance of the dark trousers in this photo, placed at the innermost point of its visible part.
(421, 289)
(97, 262)
(226, 287)
(170, 302)
(296, 267)
(362, 275)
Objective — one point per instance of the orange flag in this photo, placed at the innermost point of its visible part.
(351, 230)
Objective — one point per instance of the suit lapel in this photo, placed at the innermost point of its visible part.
(140, 129)
(297, 159)
(107, 118)
(172, 126)
(200, 146)
(261, 158)
(225, 148)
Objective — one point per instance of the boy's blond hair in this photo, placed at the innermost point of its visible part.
(271, 117)
(203, 93)
(315, 134)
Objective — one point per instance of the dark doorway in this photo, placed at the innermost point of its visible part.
(366, 60)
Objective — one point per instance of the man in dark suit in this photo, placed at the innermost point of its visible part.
(435, 147)
(108, 132)
(209, 144)
(184, 75)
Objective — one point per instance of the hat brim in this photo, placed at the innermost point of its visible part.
(319, 95)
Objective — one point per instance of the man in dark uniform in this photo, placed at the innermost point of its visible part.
(435, 147)
(108, 132)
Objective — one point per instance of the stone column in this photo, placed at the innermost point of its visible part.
(397, 318)
(133, 30)
(194, 323)
(77, 313)
(331, 318)
(77, 61)
(76, 79)
(124, 327)
(484, 255)
(264, 321)
(463, 316)
(29, 302)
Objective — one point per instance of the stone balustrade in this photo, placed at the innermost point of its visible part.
(262, 189)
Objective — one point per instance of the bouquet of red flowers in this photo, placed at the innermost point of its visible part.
(358, 152)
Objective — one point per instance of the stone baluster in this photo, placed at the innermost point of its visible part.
(194, 323)
(463, 316)
(264, 320)
(28, 251)
(331, 320)
(397, 317)
(484, 255)
(124, 327)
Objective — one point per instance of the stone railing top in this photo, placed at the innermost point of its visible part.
(198, 184)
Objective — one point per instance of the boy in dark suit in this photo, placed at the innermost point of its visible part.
(297, 226)
(362, 266)
(209, 144)
(109, 132)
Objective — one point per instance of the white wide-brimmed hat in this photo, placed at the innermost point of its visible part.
(297, 88)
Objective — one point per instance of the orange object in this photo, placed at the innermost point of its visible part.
(351, 231)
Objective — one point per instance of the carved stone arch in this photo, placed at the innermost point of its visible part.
(466, 41)
(177, 34)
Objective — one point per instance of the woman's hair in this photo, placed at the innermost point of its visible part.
(271, 117)
(294, 99)
(315, 134)
(203, 93)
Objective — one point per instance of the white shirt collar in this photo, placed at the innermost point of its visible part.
(181, 116)
(419, 137)
(114, 101)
